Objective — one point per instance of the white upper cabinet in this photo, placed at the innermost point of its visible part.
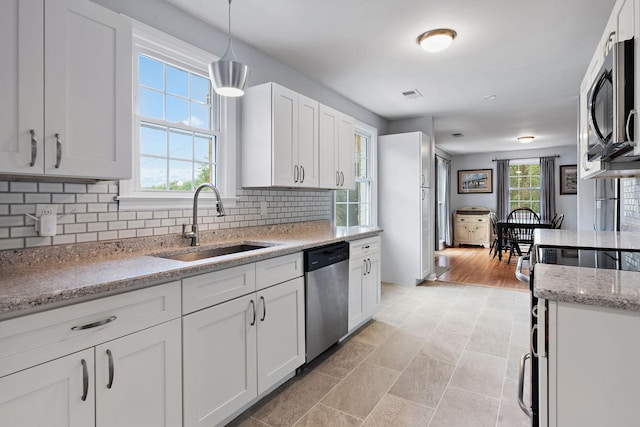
(66, 102)
(336, 149)
(279, 138)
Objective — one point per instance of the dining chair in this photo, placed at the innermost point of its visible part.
(494, 226)
(520, 235)
(556, 222)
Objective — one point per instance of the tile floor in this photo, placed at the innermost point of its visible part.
(439, 354)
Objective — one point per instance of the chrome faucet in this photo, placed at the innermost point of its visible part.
(193, 234)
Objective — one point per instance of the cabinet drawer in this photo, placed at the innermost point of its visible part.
(473, 219)
(277, 270)
(37, 338)
(362, 247)
(210, 289)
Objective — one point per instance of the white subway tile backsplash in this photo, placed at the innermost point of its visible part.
(75, 228)
(28, 231)
(144, 232)
(110, 216)
(126, 216)
(107, 235)
(97, 207)
(37, 198)
(97, 226)
(64, 239)
(89, 217)
(126, 234)
(11, 244)
(22, 209)
(86, 237)
(23, 187)
(97, 188)
(4, 185)
(50, 187)
(63, 198)
(31, 242)
(11, 198)
(75, 188)
(118, 225)
(86, 198)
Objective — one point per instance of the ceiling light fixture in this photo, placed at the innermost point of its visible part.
(436, 40)
(489, 97)
(526, 139)
(228, 75)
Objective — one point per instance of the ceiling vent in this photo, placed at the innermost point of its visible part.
(457, 135)
(412, 94)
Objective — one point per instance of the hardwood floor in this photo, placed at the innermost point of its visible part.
(474, 266)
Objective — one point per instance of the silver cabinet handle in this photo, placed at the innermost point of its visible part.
(111, 369)
(34, 147)
(337, 179)
(342, 179)
(364, 267)
(253, 304)
(58, 150)
(264, 309)
(302, 173)
(94, 324)
(527, 410)
(85, 380)
(295, 173)
(368, 266)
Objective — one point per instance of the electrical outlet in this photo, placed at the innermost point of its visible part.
(47, 220)
(46, 210)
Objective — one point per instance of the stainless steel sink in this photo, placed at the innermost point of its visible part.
(204, 253)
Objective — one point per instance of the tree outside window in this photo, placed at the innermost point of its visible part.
(524, 186)
(353, 207)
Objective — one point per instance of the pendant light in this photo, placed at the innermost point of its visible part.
(228, 75)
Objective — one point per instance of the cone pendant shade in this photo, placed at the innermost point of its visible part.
(228, 75)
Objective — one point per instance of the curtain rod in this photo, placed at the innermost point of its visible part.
(524, 158)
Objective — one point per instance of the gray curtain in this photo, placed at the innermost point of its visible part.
(502, 209)
(443, 200)
(547, 188)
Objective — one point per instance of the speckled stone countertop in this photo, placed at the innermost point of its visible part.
(587, 239)
(590, 286)
(42, 278)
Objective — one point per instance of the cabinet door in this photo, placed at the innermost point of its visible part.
(328, 125)
(372, 285)
(345, 148)
(139, 379)
(50, 394)
(357, 297)
(285, 135)
(21, 86)
(219, 361)
(427, 238)
(308, 142)
(281, 332)
(481, 233)
(87, 99)
(426, 161)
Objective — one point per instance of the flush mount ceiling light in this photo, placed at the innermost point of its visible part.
(228, 75)
(526, 139)
(436, 40)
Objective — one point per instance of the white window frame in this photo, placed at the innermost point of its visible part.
(528, 161)
(160, 45)
(372, 134)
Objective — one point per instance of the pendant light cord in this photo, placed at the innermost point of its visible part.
(229, 34)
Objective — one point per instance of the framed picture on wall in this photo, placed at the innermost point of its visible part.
(568, 179)
(475, 181)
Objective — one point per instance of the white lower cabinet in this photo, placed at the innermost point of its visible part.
(364, 280)
(50, 394)
(235, 351)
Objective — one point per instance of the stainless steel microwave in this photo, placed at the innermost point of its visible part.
(610, 105)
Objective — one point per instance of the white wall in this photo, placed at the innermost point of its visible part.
(566, 204)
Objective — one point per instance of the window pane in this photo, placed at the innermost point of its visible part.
(536, 207)
(354, 195)
(203, 174)
(354, 215)
(177, 81)
(200, 89)
(153, 173)
(177, 110)
(180, 173)
(341, 215)
(153, 141)
(150, 73)
(203, 148)
(180, 145)
(341, 196)
(200, 116)
(363, 189)
(150, 104)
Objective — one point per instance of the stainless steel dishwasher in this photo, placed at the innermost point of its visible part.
(326, 296)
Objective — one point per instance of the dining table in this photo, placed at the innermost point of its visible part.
(503, 224)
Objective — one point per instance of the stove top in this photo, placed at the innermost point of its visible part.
(593, 258)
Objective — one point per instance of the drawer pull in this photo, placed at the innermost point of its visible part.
(264, 309)
(85, 380)
(253, 320)
(94, 324)
(58, 151)
(110, 356)
(34, 147)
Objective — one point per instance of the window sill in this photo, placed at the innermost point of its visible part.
(171, 202)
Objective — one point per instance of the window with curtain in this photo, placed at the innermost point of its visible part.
(524, 184)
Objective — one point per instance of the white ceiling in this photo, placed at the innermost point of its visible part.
(531, 54)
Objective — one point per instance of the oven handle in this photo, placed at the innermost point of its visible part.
(519, 275)
(526, 409)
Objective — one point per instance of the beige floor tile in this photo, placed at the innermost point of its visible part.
(507, 293)
(395, 411)
(434, 309)
(419, 324)
(294, 399)
(520, 334)
(246, 422)
(396, 352)
(390, 292)
(510, 414)
(460, 408)
(395, 313)
(477, 291)
(423, 381)
(495, 319)
(444, 347)
(323, 416)
(480, 373)
(361, 390)
(469, 303)
(457, 323)
(489, 341)
(513, 360)
(374, 333)
(502, 304)
(345, 359)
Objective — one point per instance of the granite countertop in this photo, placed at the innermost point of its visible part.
(624, 240)
(37, 279)
(589, 286)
